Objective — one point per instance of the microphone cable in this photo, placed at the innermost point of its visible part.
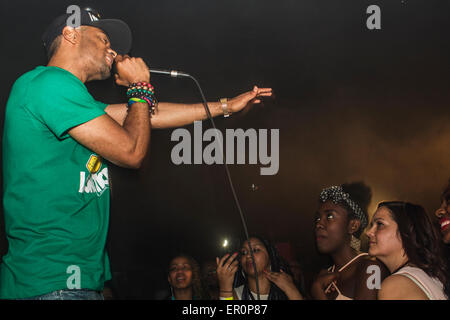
(176, 74)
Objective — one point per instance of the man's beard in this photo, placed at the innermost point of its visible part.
(97, 70)
(95, 63)
(105, 73)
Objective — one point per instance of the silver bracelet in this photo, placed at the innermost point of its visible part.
(224, 102)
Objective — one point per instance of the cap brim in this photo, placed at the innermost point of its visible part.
(118, 32)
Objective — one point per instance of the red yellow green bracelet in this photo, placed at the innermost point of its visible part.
(143, 92)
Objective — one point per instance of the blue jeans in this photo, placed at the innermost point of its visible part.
(82, 294)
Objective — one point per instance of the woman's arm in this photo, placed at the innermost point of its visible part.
(284, 281)
(321, 283)
(398, 287)
(226, 269)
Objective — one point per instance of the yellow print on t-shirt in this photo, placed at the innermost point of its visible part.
(94, 163)
(96, 181)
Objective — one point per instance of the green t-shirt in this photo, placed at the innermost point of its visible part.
(56, 191)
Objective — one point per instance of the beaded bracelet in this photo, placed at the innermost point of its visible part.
(139, 90)
(140, 87)
(143, 91)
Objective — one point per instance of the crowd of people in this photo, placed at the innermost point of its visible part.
(407, 257)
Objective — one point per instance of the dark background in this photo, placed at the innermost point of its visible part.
(351, 104)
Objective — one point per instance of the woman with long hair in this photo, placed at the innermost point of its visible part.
(185, 279)
(340, 220)
(272, 279)
(404, 238)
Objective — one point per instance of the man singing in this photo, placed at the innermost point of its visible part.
(57, 144)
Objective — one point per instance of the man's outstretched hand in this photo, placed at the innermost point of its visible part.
(248, 99)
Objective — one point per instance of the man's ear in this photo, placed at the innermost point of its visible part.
(353, 226)
(71, 34)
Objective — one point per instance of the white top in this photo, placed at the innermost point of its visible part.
(240, 289)
(432, 287)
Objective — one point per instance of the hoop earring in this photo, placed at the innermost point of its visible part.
(355, 243)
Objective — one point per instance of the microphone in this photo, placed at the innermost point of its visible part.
(172, 73)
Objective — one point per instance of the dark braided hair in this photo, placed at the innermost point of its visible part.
(277, 263)
(421, 240)
(361, 194)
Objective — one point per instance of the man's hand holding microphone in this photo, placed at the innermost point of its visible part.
(130, 70)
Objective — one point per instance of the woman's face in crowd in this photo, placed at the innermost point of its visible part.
(260, 253)
(444, 220)
(331, 227)
(384, 239)
(180, 273)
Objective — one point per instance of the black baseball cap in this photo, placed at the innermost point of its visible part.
(118, 32)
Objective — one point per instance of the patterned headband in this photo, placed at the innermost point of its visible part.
(337, 195)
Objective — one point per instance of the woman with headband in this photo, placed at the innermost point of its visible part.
(402, 235)
(340, 220)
